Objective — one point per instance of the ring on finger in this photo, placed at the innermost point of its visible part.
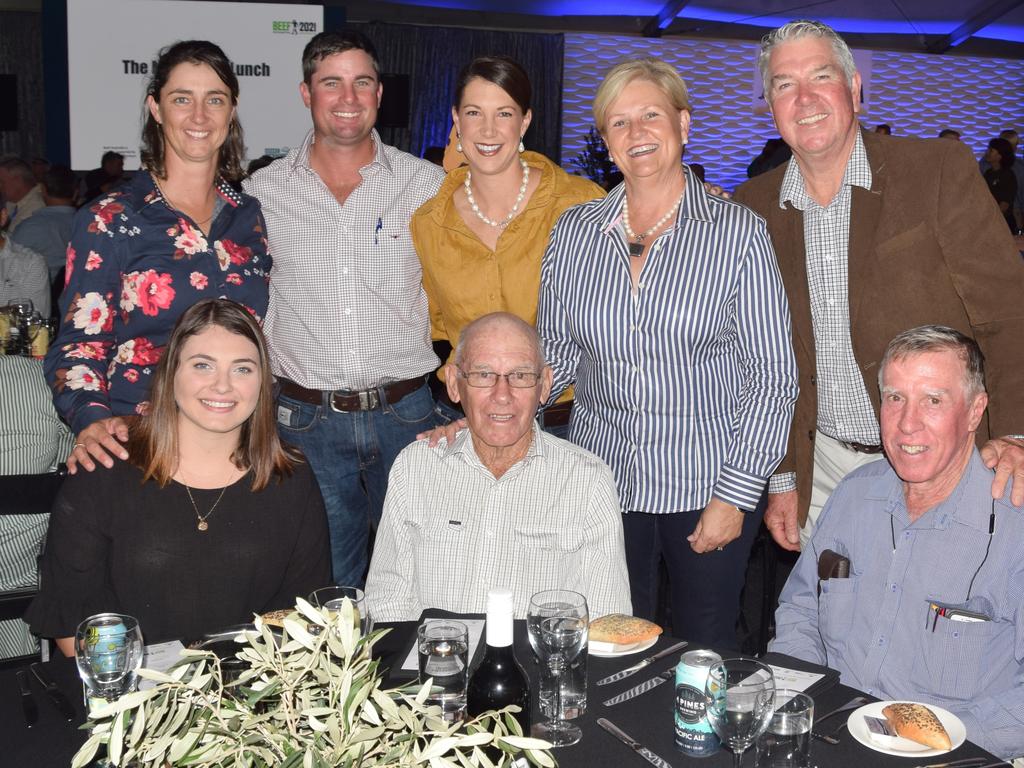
(79, 445)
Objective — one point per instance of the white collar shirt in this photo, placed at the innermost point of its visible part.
(347, 307)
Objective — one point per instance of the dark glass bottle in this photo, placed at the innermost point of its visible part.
(499, 679)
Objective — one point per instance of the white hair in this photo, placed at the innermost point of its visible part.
(795, 30)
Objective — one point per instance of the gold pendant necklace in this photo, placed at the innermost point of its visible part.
(201, 523)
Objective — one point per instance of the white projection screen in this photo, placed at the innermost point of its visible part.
(112, 45)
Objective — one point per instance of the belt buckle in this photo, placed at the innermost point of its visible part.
(369, 400)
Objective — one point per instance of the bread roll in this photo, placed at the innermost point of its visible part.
(622, 630)
(917, 723)
(275, 618)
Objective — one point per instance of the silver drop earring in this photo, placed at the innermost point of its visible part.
(521, 147)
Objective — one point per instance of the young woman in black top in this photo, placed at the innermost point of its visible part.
(210, 520)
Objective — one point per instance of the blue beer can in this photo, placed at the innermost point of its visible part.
(694, 735)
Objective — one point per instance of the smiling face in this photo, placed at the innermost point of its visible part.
(813, 105)
(928, 421)
(217, 383)
(194, 111)
(343, 96)
(500, 418)
(491, 125)
(644, 132)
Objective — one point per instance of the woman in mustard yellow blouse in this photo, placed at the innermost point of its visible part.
(480, 240)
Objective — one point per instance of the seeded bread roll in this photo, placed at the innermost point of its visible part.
(917, 723)
(274, 618)
(622, 630)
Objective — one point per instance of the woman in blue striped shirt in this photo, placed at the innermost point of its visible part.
(665, 306)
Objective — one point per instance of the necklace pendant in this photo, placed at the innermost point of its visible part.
(636, 250)
(202, 525)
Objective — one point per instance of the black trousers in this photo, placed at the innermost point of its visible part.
(704, 589)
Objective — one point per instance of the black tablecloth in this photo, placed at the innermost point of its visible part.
(648, 718)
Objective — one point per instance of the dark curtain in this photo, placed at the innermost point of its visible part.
(21, 54)
(433, 56)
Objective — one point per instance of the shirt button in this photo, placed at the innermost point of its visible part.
(893, 587)
(490, 534)
(348, 311)
(343, 229)
(344, 270)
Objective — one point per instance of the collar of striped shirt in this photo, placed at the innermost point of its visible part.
(608, 212)
(380, 158)
(858, 174)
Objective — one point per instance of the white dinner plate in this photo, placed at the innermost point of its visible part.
(901, 747)
(611, 650)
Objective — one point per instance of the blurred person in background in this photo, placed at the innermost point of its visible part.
(48, 231)
(20, 189)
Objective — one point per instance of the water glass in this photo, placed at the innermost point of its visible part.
(332, 598)
(786, 743)
(741, 697)
(557, 624)
(572, 690)
(443, 647)
(108, 651)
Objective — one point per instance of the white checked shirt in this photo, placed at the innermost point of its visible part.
(844, 407)
(451, 531)
(347, 307)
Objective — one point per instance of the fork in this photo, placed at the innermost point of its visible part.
(853, 703)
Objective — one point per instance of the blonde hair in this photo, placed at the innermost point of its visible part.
(656, 71)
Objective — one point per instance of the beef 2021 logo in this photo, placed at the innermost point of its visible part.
(294, 27)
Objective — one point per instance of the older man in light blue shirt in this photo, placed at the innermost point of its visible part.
(933, 608)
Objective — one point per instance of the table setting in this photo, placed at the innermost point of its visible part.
(658, 702)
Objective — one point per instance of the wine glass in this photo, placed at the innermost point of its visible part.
(741, 696)
(557, 622)
(108, 650)
(332, 598)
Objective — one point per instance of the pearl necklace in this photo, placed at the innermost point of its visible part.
(636, 248)
(515, 206)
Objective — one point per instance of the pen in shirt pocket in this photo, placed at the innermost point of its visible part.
(377, 229)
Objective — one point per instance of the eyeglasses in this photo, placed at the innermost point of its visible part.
(487, 379)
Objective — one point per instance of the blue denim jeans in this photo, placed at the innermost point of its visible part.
(351, 454)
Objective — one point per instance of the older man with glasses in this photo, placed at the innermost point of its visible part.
(503, 504)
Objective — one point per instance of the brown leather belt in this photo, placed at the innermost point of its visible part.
(349, 400)
(861, 448)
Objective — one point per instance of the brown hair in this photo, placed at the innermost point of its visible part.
(232, 151)
(153, 438)
(502, 71)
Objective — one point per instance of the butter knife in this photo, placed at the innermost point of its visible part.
(632, 743)
(641, 664)
(60, 701)
(644, 687)
(28, 703)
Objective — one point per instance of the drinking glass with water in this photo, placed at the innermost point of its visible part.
(443, 647)
(786, 743)
(557, 623)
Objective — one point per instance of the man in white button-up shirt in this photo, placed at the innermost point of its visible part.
(505, 504)
(347, 322)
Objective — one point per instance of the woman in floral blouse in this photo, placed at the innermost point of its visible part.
(141, 255)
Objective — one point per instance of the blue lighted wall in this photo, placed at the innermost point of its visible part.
(917, 94)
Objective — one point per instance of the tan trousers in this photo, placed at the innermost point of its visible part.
(832, 462)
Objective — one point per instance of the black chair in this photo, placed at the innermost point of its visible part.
(24, 495)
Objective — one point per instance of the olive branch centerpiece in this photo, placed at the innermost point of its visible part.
(310, 698)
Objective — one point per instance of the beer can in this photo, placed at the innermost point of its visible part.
(694, 735)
